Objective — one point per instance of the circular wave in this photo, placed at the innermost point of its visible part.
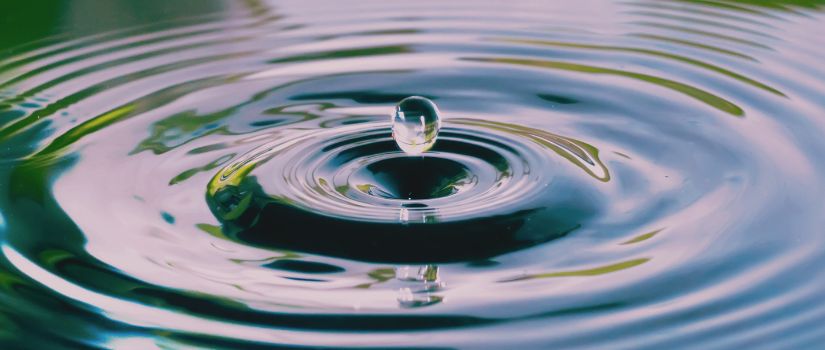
(638, 174)
(333, 191)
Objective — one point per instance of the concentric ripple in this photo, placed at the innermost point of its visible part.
(331, 191)
(609, 174)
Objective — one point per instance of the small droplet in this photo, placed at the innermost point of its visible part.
(415, 124)
(419, 286)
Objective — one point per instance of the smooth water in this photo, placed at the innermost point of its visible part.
(608, 174)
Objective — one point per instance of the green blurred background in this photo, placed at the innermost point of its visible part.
(25, 21)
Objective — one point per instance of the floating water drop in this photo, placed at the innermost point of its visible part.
(415, 124)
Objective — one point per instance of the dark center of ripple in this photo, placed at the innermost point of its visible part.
(412, 178)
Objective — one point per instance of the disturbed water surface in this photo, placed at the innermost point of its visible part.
(621, 174)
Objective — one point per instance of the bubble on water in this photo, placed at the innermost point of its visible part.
(415, 124)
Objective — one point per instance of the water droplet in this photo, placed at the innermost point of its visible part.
(415, 124)
(425, 273)
(419, 286)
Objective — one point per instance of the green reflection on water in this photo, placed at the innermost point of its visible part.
(360, 52)
(581, 154)
(584, 273)
(736, 5)
(643, 237)
(186, 174)
(699, 94)
(713, 35)
(656, 53)
(379, 275)
(692, 44)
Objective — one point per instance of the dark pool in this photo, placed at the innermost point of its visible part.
(630, 174)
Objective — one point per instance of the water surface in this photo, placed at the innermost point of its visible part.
(609, 174)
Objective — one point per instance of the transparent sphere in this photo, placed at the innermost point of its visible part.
(415, 124)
